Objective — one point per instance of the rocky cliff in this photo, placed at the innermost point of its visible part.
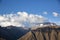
(43, 33)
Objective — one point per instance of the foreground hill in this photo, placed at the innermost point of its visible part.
(43, 33)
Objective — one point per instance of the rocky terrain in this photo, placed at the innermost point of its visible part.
(43, 33)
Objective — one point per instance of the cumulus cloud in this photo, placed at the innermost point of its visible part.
(45, 13)
(55, 14)
(58, 23)
(20, 19)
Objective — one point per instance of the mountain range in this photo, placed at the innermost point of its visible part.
(44, 31)
(12, 32)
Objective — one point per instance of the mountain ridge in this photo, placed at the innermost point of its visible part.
(44, 33)
(12, 33)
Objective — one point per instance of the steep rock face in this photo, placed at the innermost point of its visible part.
(44, 33)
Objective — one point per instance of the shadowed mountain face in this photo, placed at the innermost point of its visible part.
(2, 39)
(12, 32)
(44, 33)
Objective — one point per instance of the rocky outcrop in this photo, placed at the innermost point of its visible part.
(44, 33)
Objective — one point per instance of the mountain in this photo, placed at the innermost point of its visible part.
(12, 32)
(48, 31)
(45, 24)
(43, 33)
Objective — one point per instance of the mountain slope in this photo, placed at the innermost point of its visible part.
(44, 33)
(12, 33)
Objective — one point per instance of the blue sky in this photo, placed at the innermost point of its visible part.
(32, 7)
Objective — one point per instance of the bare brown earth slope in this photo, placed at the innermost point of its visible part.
(43, 33)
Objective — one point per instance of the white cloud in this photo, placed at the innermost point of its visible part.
(45, 13)
(20, 19)
(55, 14)
(58, 23)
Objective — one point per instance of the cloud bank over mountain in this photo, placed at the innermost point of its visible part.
(21, 19)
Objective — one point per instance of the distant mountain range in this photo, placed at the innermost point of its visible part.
(45, 24)
(44, 31)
